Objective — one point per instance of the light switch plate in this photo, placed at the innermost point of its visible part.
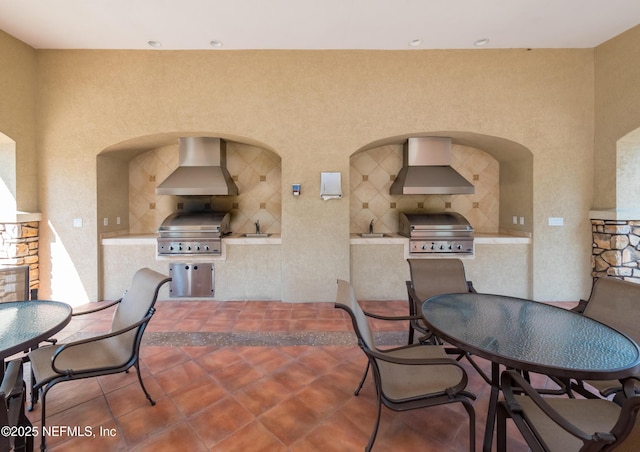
(556, 221)
(77, 222)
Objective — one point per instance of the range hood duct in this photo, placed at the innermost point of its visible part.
(426, 169)
(201, 170)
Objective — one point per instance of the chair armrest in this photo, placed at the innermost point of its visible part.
(391, 318)
(582, 304)
(470, 287)
(384, 356)
(514, 382)
(70, 345)
(90, 307)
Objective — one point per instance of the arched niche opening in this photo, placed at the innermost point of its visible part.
(500, 169)
(129, 171)
(8, 203)
(628, 172)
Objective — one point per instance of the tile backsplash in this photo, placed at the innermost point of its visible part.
(372, 172)
(256, 172)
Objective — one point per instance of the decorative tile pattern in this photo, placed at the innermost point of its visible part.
(256, 171)
(372, 172)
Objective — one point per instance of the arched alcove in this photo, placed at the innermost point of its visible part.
(501, 170)
(8, 201)
(628, 172)
(129, 171)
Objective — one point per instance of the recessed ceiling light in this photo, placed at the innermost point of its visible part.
(155, 44)
(415, 42)
(481, 42)
(215, 43)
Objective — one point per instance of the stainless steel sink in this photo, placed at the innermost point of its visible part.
(370, 235)
(257, 235)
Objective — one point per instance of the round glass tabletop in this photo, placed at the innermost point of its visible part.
(531, 336)
(24, 324)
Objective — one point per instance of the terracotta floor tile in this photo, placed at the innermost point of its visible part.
(290, 420)
(261, 395)
(198, 395)
(171, 356)
(179, 376)
(131, 397)
(219, 359)
(237, 375)
(294, 376)
(336, 434)
(220, 420)
(252, 437)
(178, 437)
(87, 417)
(146, 422)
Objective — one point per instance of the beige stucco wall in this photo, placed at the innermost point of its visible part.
(18, 83)
(315, 109)
(617, 107)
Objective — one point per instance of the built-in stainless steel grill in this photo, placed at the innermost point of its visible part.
(185, 233)
(443, 232)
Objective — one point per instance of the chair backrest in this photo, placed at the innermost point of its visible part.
(346, 299)
(432, 277)
(616, 303)
(14, 283)
(12, 401)
(137, 301)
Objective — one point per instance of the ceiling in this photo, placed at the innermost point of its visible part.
(315, 24)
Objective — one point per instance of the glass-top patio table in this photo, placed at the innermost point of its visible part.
(529, 336)
(24, 324)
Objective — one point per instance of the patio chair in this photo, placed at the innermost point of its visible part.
(616, 303)
(408, 377)
(430, 277)
(567, 424)
(110, 353)
(12, 401)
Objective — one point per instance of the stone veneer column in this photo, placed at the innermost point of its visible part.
(19, 246)
(616, 249)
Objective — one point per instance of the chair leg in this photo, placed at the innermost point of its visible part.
(137, 364)
(502, 428)
(364, 377)
(472, 424)
(43, 414)
(374, 433)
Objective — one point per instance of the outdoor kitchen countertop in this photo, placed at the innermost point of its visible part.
(150, 239)
(479, 239)
(275, 239)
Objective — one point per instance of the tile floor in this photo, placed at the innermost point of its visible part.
(250, 376)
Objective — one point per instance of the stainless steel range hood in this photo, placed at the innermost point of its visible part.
(201, 170)
(427, 170)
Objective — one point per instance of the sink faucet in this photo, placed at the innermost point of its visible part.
(371, 227)
(257, 223)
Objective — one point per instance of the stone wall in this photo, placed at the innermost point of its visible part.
(19, 246)
(616, 249)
